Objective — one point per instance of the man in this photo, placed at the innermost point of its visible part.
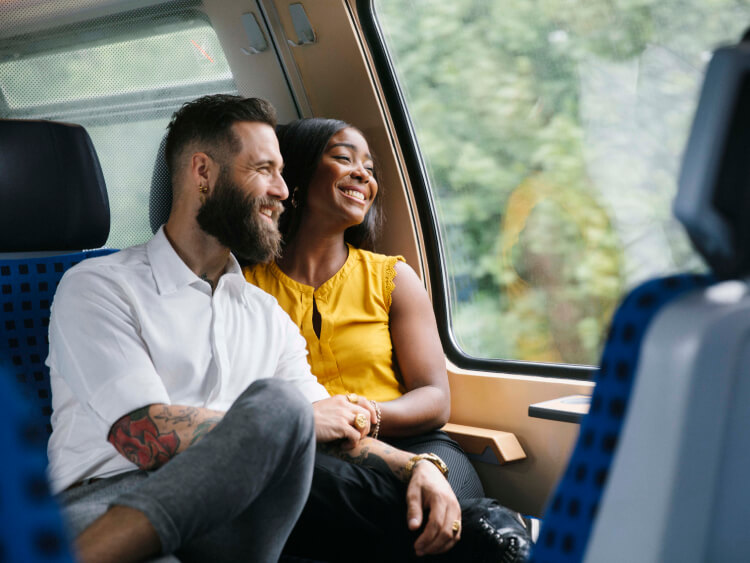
(181, 394)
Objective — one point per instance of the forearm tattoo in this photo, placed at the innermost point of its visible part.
(203, 428)
(138, 438)
(150, 436)
(375, 454)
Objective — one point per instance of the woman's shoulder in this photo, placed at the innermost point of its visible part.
(374, 258)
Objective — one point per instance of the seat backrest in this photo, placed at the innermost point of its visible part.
(569, 517)
(655, 473)
(27, 286)
(52, 200)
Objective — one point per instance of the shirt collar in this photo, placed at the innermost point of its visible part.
(171, 273)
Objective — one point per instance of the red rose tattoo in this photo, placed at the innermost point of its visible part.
(137, 438)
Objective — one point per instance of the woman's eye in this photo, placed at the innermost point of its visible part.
(342, 157)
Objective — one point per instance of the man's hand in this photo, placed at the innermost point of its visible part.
(335, 420)
(429, 491)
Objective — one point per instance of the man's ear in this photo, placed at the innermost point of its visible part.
(203, 169)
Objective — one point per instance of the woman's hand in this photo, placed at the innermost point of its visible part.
(336, 419)
(428, 490)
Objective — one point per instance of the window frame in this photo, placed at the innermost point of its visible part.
(426, 210)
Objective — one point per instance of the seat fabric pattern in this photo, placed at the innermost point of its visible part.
(32, 530)
(569, 516)
(27, 286)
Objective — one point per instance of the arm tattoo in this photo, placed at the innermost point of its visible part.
(204, 428)
(185, 415)
(137, 437)
(367, 457)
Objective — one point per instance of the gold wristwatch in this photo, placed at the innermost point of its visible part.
(432, 458)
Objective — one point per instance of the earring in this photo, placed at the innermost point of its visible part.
(203, 191)
(293, 200)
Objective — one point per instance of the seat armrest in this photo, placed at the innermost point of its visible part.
(475, 441)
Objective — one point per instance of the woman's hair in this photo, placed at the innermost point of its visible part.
(302, 145)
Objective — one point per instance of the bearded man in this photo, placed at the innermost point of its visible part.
(182, 396)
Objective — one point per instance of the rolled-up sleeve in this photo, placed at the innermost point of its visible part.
(96, 347)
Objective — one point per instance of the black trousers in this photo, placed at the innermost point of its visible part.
(358, 513)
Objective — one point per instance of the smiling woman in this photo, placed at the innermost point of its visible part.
(368, 323)
(370, 331)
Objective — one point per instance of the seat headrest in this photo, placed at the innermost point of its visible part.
(52, 191)
(160, 198)
(713, 199)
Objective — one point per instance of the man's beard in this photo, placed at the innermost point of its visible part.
(235, 220)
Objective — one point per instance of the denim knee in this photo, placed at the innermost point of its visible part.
(284, 412)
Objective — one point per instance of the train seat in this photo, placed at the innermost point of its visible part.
(32, 528)
(658, 471)
(52, 201)
(53, 206)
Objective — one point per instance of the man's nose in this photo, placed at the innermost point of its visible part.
(278, 188)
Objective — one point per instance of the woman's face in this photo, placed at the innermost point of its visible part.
(343, 186)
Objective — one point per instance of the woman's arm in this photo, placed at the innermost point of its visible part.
(419, 354)
(429, 498)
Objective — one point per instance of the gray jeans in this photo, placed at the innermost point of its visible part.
(233, 496)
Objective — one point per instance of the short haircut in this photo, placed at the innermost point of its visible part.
(208, 122)
(302, 145)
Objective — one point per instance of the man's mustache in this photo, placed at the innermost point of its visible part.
(276, 206)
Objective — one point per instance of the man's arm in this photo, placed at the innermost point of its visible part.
(152, 435)
(427, 491)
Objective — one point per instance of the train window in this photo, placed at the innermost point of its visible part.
(121, 77)
(551, 136)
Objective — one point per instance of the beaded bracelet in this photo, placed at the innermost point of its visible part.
(374, 432)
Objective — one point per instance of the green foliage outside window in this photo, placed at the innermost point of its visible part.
(552, 131)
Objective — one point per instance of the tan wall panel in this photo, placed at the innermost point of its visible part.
(337, 83)
(501, 402)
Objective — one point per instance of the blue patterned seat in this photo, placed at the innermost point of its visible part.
(569, 517)
(32, 529)
(53, 203)
(27, 286)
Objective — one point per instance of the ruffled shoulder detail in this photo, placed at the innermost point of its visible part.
(390, 274)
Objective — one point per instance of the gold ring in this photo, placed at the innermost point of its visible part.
(352, 398)
(456, 527)
(360, 421)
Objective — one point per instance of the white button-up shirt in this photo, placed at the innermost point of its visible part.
(138, 327)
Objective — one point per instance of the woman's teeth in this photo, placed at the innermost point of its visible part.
(355, 194)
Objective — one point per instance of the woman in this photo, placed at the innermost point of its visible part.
(368, 322)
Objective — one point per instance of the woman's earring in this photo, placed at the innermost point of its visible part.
(293, 200)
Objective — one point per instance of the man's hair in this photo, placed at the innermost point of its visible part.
(302, 145)
(207, 122)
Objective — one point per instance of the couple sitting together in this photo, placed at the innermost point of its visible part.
(192, 421)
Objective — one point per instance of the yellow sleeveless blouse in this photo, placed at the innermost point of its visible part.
(354, 353)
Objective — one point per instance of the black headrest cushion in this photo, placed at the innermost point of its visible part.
(52, 191)
(713, 201)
